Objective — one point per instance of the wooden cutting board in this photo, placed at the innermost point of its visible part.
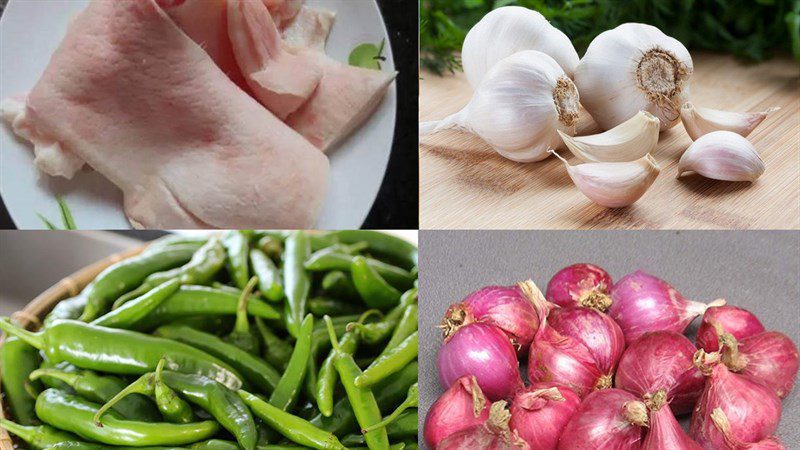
(465, 184)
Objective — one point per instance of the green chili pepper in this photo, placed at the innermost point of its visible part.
(62, 366)
(388, 393)
(326, 306)
(137, 309)
(237, 247)
(363, 401)
(338, 284)
(202, 300)
(125, 275)
(411, 401)
(71, 308)
(39, 437)
(209, 324)
(372, 288)
(120, 351)
(272, 247)
(74, 414)
(290, 426)
(406, 425)
(286, 392)
(100, 389)
(390, 362)
(254, 369)
(326, 261)
(296, 281)
(320, 341)
(403, 252)
(173, 240)
(93, 446)
(276, 351)
(269, 276)
(373, 333)
(407, 325)
(321, 240)
(215, 444)
(172, 407)
(17, 361)
(242, 336)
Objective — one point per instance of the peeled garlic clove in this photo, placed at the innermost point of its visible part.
(508, 30)
(632, 68)
(614, 184)
(519, 108)
(700, 121)
(628, 141)
(722, 155)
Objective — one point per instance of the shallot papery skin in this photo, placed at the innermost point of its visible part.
(598, 332)
(580, 285)
(505, 307)
(641, 302)
(665, 433)
(752, 408)
(722, 423)
(662, 360)
(540, 412)
(484, 351)
(739, 322)
(494, 434)
(608, 419)
(769, 357)
(461, 406)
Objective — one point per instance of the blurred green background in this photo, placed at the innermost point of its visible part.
(753, 30)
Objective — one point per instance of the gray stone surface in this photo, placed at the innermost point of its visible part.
(756, 270)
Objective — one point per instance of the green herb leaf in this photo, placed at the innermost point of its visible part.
(368, 56)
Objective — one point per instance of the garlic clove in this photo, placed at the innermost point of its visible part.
(628, 141)
(722, 155)
(700, 121)
(614, 184)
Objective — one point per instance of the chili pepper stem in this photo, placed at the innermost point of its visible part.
(33, 339)
(411, 401)
(143, 385)
(242, 325)
(69, 378)
(24, 432)
(331, 333)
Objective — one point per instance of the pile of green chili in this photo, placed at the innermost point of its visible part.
(244, 340)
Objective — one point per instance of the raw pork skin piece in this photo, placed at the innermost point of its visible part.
(129, 93)
(310, 28)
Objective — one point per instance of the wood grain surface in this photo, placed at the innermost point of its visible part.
(464, 184)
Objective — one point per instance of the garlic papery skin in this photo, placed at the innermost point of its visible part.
(519, 107)
(722, 155)
(699, 121)
(508, 30)
(628, 141)
(632, 68)
(614, 184)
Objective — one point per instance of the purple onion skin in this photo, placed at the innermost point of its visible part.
(598, 332)
(600, 424)
(484, 351)
(561, 359)
(665, 433)
(771, 358)
(461, 406)
(662, 360)
(739, 322)
(643, 303)
(507, 308)
(540, 420)
(752, 408)
(572, 283)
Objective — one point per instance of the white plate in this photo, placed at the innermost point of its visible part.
(30, 30)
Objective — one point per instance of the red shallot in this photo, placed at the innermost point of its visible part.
(493, 434)
(752, 409)
(484, 351)
(559, 358)
(662, 360)
(739, 322)
(769, 357)
(505, 307)
(595, 330)
(664, 432)
(607, 419)
(642, 303)
(461, 406)
(722, 423)
(540, 412)
(580, 285)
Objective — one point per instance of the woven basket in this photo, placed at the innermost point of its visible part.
(34, 312)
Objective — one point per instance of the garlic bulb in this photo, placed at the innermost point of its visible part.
(614, 184)
(509, 30)
(628, 141)
(632, 68)
(519, 107)
(699, 121)
(722, 155)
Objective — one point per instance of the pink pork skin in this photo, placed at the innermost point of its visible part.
(128, 92)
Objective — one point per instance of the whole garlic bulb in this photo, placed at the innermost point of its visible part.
(509, 30)
(519, 107)
(634, 67)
